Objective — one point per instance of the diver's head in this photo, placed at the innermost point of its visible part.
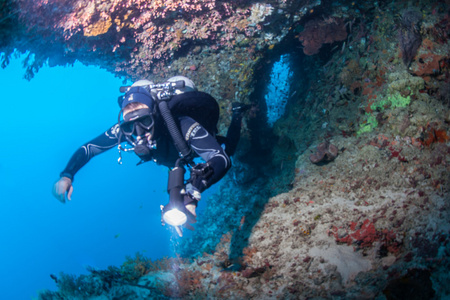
(138, 126)
(132, 107)
(138, 120)
(137, 110)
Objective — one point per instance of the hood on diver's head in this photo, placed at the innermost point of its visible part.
(139, 92)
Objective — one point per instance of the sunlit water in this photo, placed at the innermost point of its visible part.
(114, 210)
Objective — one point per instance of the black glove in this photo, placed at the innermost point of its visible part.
(200, 174)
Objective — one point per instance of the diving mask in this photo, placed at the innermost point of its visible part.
(137, 121)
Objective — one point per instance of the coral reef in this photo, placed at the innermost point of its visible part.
(371, 223)
(138, 39)
(325, 152)
(401, 81)
(428, 65)
(322, 31)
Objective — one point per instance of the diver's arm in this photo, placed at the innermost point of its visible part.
(207, 147)
(100, 144)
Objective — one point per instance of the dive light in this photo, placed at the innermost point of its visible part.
(173, 213)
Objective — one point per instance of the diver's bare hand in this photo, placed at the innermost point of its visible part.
(61, 187)
(191, 208)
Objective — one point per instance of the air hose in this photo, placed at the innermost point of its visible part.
(177, 138)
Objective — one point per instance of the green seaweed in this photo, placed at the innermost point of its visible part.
(392, 101)
(370, 125)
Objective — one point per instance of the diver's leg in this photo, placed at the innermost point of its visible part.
(234, 131)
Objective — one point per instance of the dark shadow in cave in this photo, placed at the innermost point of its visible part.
(269, 151)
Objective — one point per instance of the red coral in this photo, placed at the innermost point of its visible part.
(318, 32)
(388, 239)
(186, 282)
(396, 153)
(433, 135)
(381, 141)
(366, 235)
(427, 64)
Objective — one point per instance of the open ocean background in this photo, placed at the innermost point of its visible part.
(114, 210)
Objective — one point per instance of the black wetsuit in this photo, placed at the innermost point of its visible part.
(198, 139)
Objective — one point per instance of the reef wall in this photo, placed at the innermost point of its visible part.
(216, 43)
(346, 197)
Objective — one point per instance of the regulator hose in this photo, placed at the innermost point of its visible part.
(177, 138)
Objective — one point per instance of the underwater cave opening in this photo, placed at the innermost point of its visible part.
(278, 89)
(281, 82)
(271, 151)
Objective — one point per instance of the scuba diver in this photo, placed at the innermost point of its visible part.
(169, 123)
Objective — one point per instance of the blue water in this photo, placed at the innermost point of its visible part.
(114, 210)
(278, 89)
